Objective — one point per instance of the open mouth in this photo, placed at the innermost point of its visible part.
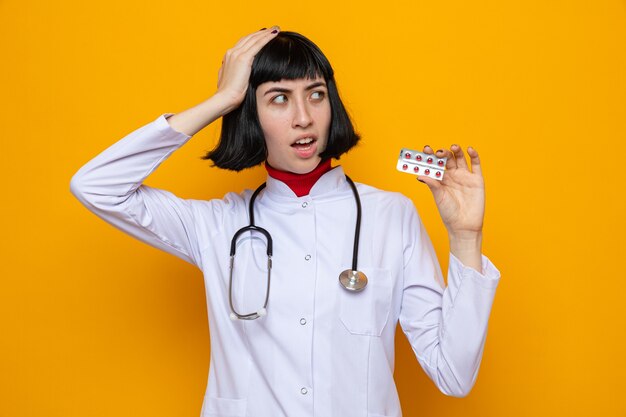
(304, 143)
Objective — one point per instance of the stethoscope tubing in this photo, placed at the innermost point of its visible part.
(253, 227)
(357, 231)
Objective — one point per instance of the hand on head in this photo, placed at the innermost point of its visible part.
(234, 74)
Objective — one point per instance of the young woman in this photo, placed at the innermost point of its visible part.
(288, 336)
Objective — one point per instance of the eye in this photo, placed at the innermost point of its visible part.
(317, 95)
(279, 99)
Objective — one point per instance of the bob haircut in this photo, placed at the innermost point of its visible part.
(288, 56)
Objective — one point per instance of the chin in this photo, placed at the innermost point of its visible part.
(307, 166)
(297, 166)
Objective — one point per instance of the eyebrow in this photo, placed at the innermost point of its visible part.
(287, 90)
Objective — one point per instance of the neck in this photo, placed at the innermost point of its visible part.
(300, 184)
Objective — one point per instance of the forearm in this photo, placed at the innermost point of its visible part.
(447, 328)
(110, 186)
(467, 247)
(111, 176)
(196, 118)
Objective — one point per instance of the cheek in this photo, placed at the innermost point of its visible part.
(274, 134)
(272, 125)
(326, 113)
(325, 117)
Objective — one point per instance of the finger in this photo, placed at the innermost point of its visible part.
(264, 36)
(433, 184)
(459, 156)
(428, 150)
(450, 161)
(238, 53)
(254, 45)
(250, 45)
(242, 42)
(474, 161)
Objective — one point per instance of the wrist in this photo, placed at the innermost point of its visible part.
(467, 248)
(224, 103)
(196, 118)
(466, 236)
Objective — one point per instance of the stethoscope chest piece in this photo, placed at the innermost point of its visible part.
(353, 280)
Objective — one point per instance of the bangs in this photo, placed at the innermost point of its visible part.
(289, 56)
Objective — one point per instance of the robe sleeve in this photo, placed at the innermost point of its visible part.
(446, 326)
(111, 186)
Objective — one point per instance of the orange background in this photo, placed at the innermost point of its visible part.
(94, 323)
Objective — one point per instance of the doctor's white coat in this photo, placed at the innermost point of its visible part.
(321, 350)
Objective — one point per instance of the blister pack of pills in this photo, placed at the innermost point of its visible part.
(420, 163)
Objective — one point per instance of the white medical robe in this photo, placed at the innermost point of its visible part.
(321, 350)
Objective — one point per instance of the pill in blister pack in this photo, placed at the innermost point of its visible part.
(420, 163)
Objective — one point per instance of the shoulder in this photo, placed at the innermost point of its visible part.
(385, 198)
(215, 211)
(391, 210)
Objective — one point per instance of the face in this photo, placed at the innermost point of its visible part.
(295, 118)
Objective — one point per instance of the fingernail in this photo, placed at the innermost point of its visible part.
(439, 150)
(454, 144)
(421, 181)
(263, 28)
(275, 31)
(426, 146)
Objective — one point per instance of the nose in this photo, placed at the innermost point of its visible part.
(302, 114)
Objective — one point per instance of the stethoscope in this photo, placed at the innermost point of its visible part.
(350, 279)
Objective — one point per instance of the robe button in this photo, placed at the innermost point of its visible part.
(303, 321)
(305, 204)
(303, 391)
(307, 258)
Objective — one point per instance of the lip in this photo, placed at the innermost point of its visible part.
(304, 136)
(308, 151)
